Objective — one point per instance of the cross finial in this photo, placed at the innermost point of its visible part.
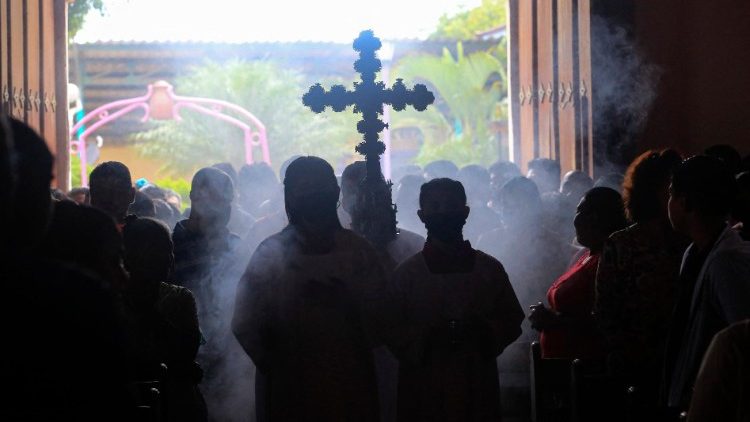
(368, 98)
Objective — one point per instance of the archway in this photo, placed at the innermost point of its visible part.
(161, 103)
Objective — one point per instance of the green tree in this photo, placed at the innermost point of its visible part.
(77, 12)
(270, 92)
(465, 25)
(470, 90)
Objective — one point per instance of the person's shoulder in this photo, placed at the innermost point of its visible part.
(180, 230)
(274, 242)
(486, 261)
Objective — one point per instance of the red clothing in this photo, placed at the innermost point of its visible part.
(573, 296)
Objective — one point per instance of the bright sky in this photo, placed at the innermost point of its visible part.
(265, 20)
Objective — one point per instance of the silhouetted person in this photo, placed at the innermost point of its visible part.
(142, 206)
(568, 330)
(500, 173)
(240, 220)
(162, 319)
(545, 173)
(575, 184)
(256, 184)
(80, 196)
(722, 389)
(455, 313)
(741, 208)
(260, 191)
(715, 272)
(533, 256)
(476, 180)
(407, 170)
(165, 213)
(209, 261)
(728, 155)
(405, 244)
(65, 362)
(88, 239)
(562, 206)
(638, 275)
(112, 190)
(307, 309)
(440, 168)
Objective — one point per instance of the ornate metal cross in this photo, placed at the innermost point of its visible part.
(368, 98)
(375, 215)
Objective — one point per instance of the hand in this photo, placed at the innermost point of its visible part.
(541, 317)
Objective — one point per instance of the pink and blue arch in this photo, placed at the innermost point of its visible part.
(161, 103)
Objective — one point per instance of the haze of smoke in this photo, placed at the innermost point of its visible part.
(625, 87)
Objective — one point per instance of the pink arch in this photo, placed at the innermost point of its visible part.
(160, 102)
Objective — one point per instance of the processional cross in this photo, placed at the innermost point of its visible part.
(368, 98)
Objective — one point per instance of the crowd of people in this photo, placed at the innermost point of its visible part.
(261, 301)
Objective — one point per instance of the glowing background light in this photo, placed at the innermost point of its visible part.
(274, 20)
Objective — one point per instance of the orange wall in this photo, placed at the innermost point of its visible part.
(128, 155)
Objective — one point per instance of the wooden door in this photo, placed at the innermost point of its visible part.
(33, 72)
(551, 56)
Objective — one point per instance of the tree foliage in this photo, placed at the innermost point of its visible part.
(77, 12)
(270, 92)
(465, 25)
(469, 95)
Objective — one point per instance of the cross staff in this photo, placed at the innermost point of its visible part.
(368, 99)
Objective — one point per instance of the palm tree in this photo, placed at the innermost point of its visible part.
(470, 94)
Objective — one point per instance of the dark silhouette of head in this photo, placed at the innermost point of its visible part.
(154, 192)
(476, 180)
(545, 173)
(211, 196)
(149, 254)
(112, 189)
(520, 204)
(701, 194)
(410, 169)
(501, 172)
(728, 154)
(285, 165)
(227, 168)
(646, 185)
(80, 195)
(142, 206)
(173, 198)
(440, 169)
(164, 212)
(443, 209)
(88, 238)
(575, 184)
(30, 171)
(599, 214)
(256, 183)
(351, 180)
(311, 194)
(407, 192)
